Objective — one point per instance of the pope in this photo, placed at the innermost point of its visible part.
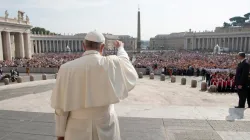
(86, 90)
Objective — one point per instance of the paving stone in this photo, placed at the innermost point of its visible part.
(192, 135)
(39, 128)
(11, 93)
(18, 115)
(234, 135)
(242, 126)
(10, 125)
(156, 134)
(141, 129)
(134, 123)
(46, 117)
(4, 133)
(177, 124)
(20, 136)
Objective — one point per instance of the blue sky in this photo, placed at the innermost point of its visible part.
(120, 16)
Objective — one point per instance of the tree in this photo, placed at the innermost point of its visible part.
(239, 21)
(39, 30)
(247, 15)
(225, 24)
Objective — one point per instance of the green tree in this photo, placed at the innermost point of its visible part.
(225, 24)
(238, 21)
(39, 30)
(247, 15)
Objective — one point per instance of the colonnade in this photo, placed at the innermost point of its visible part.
(56, 46)
(21, 45)
(208, 43)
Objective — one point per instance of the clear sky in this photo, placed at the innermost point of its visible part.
(120, 16)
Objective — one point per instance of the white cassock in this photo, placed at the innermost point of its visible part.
(85, 93)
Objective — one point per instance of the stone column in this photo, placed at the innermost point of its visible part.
(39, 46)
(79, 45)
(6, 46)
(27, 48)
(44, 46)
(233, 46)
(82, 46)
(64, 46)
(219, 41)
(76, 45)
(248, 45)
(53, 45)
(228, 43)
(49, 44)
(61, 45)
(19, 45)
(71, 46)
(212, 43)
(185, 43)
(193, 43)
(35, 47)
(244, 45)
(237, 44)
(57, 46)
(42, 51)
(241, 44)
(1, 47)
(207, 43)
(198, 43)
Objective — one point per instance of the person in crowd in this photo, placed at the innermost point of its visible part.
(208, 77)
(16, 72)
(1, 71)
(87, 89)
(241, 81)
(12, 72)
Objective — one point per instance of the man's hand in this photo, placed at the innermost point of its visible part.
(118, 44)
(239, 86)
(60, 138)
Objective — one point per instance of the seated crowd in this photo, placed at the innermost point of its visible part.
(224, 81)
(168, 62)
(170, 59)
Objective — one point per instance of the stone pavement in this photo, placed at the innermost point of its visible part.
(17, 125)
(149, 113)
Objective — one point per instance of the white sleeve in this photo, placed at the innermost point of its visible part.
(128, 69)
(61, 122)
(122, 53)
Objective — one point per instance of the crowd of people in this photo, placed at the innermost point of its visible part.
(168, 62)
(184, 59)
(224, 81)
(156, 60)
(51, 60)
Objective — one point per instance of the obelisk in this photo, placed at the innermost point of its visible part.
(139, 31)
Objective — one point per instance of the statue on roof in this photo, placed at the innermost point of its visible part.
(20, 15)
(6, 14)
(27, 19)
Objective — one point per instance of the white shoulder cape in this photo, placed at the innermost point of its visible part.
(93, 80)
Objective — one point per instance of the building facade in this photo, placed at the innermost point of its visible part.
(15, 37)
(130, 43)
(63, 43)
(166, 42)
(233, 38)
